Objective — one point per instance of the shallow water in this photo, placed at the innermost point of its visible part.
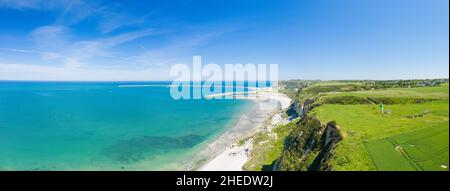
(101, 126)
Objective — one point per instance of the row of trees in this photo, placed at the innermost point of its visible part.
(403, 83)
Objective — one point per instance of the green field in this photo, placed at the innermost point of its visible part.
(440, 92)
(411, 136)
(424, 149)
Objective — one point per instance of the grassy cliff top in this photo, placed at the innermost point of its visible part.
(396, 139)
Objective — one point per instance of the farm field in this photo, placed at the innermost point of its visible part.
(411, 136)
(424, 149)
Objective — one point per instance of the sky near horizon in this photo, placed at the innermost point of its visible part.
(141, 40)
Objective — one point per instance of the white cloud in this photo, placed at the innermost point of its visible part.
(79, 60)
(173, 52)
(74, 11)
(42, 4)
(21, 4)
(44, 55)
(53, 43)
(112, 17)
(109, 15)
(130, 36)
(64, 58)
(70, 11)
(33, 72)
(50, 37)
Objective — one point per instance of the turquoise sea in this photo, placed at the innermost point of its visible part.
(101, 126)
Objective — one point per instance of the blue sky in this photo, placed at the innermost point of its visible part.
(141, 40)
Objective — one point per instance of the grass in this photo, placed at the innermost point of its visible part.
(386, 157)
(365, 123)
(329, 87)
(424, 149)
(267, 147)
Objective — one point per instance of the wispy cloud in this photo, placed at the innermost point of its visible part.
(56, 50)
(109, 15)
(172, 51)
(74, 11)
(125, 37)
(27, 4)
(112, 17)
(44, 55)
(79, 60)
(52, 39)
(30, 72)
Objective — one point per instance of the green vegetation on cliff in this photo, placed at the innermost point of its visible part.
(267, 147)
(309, 146)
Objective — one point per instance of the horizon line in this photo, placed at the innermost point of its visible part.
(2, 80)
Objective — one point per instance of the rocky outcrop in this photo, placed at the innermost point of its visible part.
(331, 136)
(301, 108)
(309, 146)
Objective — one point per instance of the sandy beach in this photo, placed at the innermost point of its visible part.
(227, 153)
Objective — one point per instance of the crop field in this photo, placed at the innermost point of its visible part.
(408, 136)
(424, 149)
